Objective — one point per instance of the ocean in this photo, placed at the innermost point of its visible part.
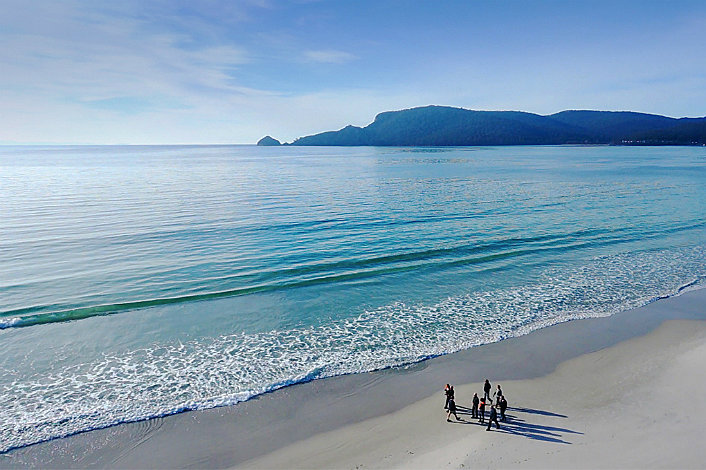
(138, 282)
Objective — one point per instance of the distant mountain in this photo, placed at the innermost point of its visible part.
(447, 126)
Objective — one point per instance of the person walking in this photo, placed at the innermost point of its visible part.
(486, 389)
(493, 417)
(451, 395)
(452, 411)
(481, 410)
(474, 408)
(503, 407)
(448, 396)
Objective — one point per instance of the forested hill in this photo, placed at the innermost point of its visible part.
(446, 126)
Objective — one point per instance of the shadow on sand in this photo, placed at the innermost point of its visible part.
(516, 424)
(536, 412)
(463, 413)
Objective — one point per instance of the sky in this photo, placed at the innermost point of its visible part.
(232, 71)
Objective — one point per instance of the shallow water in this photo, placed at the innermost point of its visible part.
(141, 281)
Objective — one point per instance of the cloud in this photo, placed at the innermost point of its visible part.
(328, 56)
(113, 73)
(87, 56)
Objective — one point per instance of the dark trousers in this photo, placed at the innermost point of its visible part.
(481, 414)
(490, 421)
(446, 405)
(502, 415)
(474, 412)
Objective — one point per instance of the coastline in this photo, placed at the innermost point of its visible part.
(291, 422)
(614, 408)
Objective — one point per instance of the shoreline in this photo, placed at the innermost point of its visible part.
(613, 408)
(274, 422)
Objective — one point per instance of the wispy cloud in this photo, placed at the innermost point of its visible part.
(88, 56)
(328, 56)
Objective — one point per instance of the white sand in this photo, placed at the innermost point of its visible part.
(639, 404)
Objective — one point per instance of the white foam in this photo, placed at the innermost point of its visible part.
(9, 322)
(169, 378)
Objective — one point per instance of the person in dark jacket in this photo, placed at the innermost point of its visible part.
(474, 408)
(447, 392)
(493, 417)
(452, 411)
(486, 389)
(503, 407)
(481, 410)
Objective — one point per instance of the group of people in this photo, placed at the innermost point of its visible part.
(479, 404)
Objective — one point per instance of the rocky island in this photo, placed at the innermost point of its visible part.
(268, 141)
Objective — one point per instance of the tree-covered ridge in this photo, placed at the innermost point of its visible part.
(447, 126)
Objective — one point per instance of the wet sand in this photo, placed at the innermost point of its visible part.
(616, 392)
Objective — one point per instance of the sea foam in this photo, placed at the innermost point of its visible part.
(172, 377)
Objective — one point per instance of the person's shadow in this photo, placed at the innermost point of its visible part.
(517, 423)
(463, 413)
(536, 412)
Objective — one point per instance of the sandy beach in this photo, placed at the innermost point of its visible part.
(634, 405)
(617, 392)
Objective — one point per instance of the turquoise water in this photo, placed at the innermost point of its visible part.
(142, 281)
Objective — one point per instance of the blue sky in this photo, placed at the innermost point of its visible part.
(209, 71)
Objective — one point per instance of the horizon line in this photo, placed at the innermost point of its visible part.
(8, 143)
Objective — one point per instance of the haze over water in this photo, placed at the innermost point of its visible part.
(141, 281)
